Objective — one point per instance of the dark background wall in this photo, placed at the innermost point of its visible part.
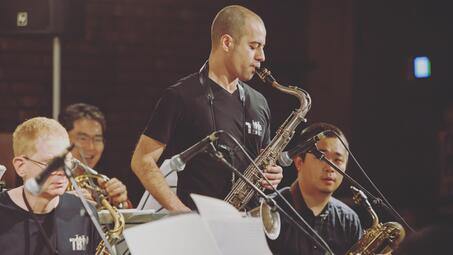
(352, 56)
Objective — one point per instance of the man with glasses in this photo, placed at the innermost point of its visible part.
(86, 127)
(53, 220)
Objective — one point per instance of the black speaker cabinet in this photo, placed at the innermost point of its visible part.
(42, 17)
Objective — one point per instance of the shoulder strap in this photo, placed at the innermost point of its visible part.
(202, 76)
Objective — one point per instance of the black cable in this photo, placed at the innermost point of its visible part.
(52, 250)
(318, 240)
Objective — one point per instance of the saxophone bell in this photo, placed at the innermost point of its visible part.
(269, 217)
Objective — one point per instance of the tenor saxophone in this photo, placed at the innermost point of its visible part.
(379, 238)
(241, 193)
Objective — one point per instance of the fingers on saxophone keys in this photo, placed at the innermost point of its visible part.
(274, 169)
(274, 180)
(274, 173)
(114, 186)
(119, 199)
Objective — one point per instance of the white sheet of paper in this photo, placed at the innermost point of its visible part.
(213, 208)
(239, 236)
(234, 234)
(183, 234)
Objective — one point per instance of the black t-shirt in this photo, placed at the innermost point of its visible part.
(70, 232)
(184, 115)
(337, 224)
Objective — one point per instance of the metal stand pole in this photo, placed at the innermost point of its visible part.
(56, 77)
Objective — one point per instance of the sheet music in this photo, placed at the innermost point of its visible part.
(182, 234)
(234, 234)
(240, 236)
(213, 208)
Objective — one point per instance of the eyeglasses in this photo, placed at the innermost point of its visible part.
(85, 140)
(42, 165)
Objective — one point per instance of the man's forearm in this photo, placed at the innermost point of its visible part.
(155, 183)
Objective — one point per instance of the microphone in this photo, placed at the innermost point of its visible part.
(2, 170)
(2, 183)
(178, 161)
(286, 157)
(34, 184)
(274, 207)
(358, 194)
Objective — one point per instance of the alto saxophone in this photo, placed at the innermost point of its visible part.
(379, 238)
(241, 193)
(87, 181)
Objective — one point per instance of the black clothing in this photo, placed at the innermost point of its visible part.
(337, 224)
(188, 112)
(66, 229)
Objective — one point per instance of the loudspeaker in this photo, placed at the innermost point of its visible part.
(42, 17)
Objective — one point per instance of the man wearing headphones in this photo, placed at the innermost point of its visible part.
(215, 98)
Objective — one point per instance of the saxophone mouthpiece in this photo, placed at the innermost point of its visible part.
(358, 192)
(354, 189)
(265, 75)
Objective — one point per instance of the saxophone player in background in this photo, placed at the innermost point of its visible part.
(311, 196)
(86, 126)
(212, 99)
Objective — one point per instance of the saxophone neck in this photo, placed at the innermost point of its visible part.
(302, 95)
(361, 199)
(374, 217)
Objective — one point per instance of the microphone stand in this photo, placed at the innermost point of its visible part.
(214, 153)
(375, 200)
(68, 173)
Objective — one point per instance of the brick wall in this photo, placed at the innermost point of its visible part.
(129, 53)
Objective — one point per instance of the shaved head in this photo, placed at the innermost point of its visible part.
(231, 20)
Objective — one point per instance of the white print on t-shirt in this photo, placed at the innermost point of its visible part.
(79, 243)
(255, 128)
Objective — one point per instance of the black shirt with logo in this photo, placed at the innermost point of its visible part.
(69, 230)
(186, 113)
(337, 224)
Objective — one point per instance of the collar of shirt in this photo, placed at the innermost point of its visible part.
(302, 207)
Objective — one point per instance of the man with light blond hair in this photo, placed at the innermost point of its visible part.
(52, 221)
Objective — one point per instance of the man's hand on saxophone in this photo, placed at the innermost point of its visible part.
(116, 191)
(86, 126)
(274, 174)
